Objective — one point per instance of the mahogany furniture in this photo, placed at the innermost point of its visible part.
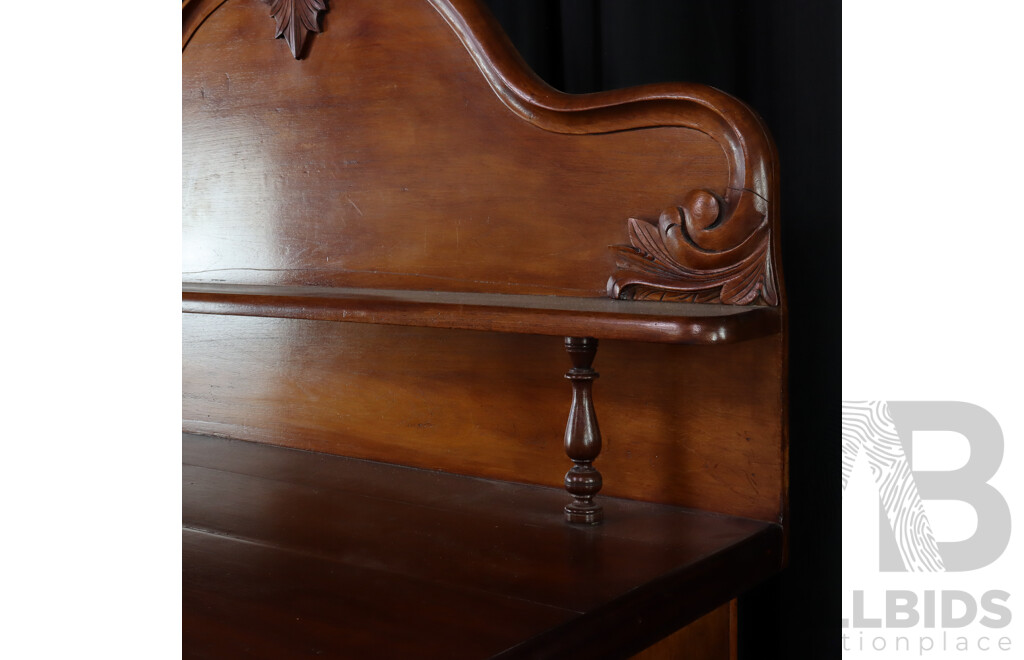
(388, 224)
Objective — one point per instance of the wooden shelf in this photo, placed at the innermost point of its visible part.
(669, 322)
(289, 552)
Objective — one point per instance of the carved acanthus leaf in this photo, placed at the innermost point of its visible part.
(295, 20)
(693, 254)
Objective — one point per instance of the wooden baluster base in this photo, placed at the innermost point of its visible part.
(582, 436)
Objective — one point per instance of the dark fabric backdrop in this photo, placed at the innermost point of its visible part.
(782, 58)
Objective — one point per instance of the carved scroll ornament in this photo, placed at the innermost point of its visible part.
(295, 20)
(707, 250)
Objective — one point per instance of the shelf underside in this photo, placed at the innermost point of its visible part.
(682, 323)
(288, 553)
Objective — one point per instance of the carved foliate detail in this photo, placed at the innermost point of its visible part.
(295, 20)
(706, 250)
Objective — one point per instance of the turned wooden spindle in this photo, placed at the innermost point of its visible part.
(582, 437)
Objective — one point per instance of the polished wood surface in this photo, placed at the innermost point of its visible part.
(316, 172)
(369, 165)
(289, 553)
(403, 171)
(582, 435)
(710, 637)
(681, 323)
(697, 426)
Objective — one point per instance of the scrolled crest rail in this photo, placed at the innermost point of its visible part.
(712, 245)
(710, 248)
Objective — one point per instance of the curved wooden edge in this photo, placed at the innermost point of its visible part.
(546, 315)
(703, 242)
(687, 105)
(193, 13)
(728, 230)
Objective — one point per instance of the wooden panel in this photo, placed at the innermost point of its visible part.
(411, 150)
(695, 426)
(372, 164)
(711, 637)
(292, 552)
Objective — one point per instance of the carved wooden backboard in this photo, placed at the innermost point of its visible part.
(405, 145)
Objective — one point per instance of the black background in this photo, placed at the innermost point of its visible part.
(783, 58)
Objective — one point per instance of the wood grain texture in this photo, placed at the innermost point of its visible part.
(698, 426)
(545, 315)
(280, 185)
(290, 553)
(412, 155)
(720, 247)
(711, 637)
